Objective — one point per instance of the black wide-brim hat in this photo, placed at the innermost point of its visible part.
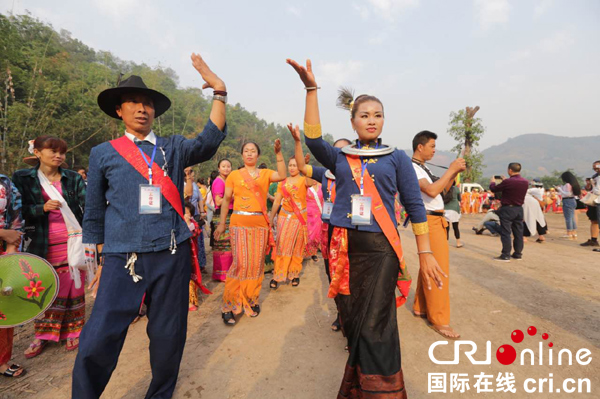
(110, 98)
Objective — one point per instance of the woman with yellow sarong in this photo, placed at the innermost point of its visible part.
(291, 226)
(250, 231)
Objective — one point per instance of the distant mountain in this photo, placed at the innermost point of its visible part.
(540, 154)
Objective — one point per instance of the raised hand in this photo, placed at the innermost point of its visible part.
(295, 131)
(277, 146)
(307, 159)
(305, 73)
(211, 79)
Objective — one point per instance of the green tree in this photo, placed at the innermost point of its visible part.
(467, 131)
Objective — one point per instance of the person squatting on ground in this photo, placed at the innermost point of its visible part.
(134, 212)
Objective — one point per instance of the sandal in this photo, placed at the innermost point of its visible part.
(335, 326)
(37, 349)
(540, 241)
(295, 282)
(228, 318)
(460, 246)
(273, 284)
(71, 344)
(315, 258)
(421, 315)
(444, 331)
(13, 370)
(256, 310)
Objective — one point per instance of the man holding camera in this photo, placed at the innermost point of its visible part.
(513, 192)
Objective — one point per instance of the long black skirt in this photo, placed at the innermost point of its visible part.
(368, 316)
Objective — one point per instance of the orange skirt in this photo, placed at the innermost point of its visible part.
(244, 279)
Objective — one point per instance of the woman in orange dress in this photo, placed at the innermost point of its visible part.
(291, 226)
(249, 229)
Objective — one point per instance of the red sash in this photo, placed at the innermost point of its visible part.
(290, 199)
(130, 152)
(385, 222)
(261, 201)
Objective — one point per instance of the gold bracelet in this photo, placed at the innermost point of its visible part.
(312, 131)
(420, 228)
(424, 252)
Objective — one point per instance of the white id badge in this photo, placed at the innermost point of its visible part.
(361, 210)
(327, 208)
(150, 200)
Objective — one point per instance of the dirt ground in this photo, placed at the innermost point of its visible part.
(290, 351)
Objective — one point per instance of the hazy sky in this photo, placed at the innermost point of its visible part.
(532, 66)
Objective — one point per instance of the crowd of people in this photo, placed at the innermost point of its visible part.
(152, 254)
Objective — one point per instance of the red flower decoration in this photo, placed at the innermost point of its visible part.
(34, 289)
(2, 316)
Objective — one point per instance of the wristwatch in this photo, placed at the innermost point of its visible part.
(221, 98)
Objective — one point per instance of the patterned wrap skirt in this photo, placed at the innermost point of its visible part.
(368, 316)
(244, 279)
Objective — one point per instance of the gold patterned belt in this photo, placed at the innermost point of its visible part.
(247, 213)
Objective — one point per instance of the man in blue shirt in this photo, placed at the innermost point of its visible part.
(139, 229)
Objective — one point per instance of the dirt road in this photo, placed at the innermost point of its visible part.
(290, 352)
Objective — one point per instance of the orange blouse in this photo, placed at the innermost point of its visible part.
(298, 192)
(246, 201)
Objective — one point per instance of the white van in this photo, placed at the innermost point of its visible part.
(470, 186)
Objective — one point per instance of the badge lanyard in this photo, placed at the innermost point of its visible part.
(331, 183)
(364, 168)
(149, 163)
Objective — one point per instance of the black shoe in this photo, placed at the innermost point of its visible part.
(596, 250)
(478, 232)
(256, 310)
(590, 243)
(517, 257)
(315, 258)
(273, 285)
(295, 282)
(502, 258)
(228, 318)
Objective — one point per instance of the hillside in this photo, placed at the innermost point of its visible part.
(540, 154)
(52, 80)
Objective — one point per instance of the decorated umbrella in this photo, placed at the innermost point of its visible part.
(28, 286)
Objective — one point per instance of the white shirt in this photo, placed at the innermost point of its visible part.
(537, 193)
(151, 137)
(431, 204)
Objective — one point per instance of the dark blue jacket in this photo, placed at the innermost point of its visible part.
(391, 173)
(112, 202)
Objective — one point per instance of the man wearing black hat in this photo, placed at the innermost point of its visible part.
(134, 212)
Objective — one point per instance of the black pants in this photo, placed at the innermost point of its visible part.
(165, 282)
(456, 231)
(511, 221)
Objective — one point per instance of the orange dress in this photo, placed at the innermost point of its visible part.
(291, 233)
(249, 240)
